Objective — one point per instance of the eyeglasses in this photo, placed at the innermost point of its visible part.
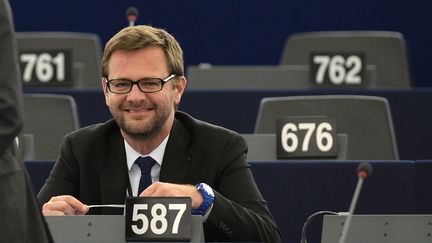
(146, 85)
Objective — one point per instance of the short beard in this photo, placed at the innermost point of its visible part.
(146, 134)
(151, 131)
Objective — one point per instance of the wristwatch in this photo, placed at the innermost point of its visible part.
(208, 198)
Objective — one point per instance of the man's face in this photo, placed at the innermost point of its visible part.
(137, 113)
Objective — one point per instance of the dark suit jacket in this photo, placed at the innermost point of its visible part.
(20, 218)
(92, 167)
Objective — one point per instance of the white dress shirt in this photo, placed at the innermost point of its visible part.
(135, 171)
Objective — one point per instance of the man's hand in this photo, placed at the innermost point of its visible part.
(64, 205)
(162, 189)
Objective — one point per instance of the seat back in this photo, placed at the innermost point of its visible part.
(50, 59)
(384, 51)
(366, 120)
(49, 118)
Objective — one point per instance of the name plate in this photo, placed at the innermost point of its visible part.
(337, 69)
(306, 137)
(46, 67)
(158, 219)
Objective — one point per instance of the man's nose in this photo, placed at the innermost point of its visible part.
(136, 93)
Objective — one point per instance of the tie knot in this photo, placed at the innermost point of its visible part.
(145, 163)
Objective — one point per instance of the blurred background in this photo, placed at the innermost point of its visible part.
(238, 32)
(253, 33)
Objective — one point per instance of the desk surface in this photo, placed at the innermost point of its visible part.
(101, 228)
(296, 189)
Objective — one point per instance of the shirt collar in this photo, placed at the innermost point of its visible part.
(156, 154)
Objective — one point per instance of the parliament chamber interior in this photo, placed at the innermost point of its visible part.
(358, 72)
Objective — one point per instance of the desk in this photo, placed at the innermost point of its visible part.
(102, 228)
(296, 189)
(423, 180)
(238, 109)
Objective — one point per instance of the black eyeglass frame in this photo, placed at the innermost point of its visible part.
(133, 82)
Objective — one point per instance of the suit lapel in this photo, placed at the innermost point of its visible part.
(113, 167)
(178, 154)
(114, 172)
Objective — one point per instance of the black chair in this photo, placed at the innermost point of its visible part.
(48, 118)
(386, 53)
(79, 64)
(366, 120)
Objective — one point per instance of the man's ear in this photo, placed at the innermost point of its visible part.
(105, 90)
(181, 87)
(104, 84)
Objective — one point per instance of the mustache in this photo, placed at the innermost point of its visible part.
(143, 105)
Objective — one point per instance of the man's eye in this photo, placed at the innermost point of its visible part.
(150, 83)
(121, 84)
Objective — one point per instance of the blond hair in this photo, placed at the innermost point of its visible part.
(142, 36)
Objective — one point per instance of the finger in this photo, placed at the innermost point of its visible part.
(77, 205)
(82, 212)
(52, 213)
(57, 208)
(150, 190)
(56, 213)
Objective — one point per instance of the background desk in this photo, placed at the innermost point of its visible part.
(296, 189)
(237, 110)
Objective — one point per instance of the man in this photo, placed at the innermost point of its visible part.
(20, 218)
(143, 83)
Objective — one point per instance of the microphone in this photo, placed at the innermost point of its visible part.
(363, 171)
(132, 15)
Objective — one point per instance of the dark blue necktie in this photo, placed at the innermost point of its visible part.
(145, 164)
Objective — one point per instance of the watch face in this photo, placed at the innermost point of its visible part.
(208, 189)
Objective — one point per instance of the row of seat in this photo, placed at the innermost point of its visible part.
(378, 58)
(363, 125)
(383, 54)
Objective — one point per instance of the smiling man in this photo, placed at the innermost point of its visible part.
(143, 81)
